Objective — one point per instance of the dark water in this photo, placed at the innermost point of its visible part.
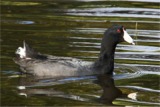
(74, 28)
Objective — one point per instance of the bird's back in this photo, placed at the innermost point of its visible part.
(55, 66)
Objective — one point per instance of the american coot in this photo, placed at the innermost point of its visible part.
(46, 65)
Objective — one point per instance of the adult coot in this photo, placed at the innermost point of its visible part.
(46, 65)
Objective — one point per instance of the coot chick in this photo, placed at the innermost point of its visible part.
(42, 65)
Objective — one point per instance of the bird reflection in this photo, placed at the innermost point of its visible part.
(35, 86)
(110, 92)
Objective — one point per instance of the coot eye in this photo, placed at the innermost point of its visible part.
(118, 31)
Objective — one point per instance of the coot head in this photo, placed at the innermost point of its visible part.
(113, 36)
(117, 34)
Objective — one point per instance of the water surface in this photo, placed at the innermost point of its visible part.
(74, 28)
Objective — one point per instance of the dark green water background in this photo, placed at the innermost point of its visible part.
(74, 28)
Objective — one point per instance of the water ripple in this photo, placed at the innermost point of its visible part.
(118, 11)
(141, 102)
(140, 88)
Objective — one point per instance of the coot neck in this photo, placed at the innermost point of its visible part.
(108, 49)
(107, 53)
(105, 62)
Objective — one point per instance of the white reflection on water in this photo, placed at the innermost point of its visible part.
(118, 11)
(155, 1)
(26, 22)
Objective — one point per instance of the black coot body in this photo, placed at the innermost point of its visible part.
(38, 64)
